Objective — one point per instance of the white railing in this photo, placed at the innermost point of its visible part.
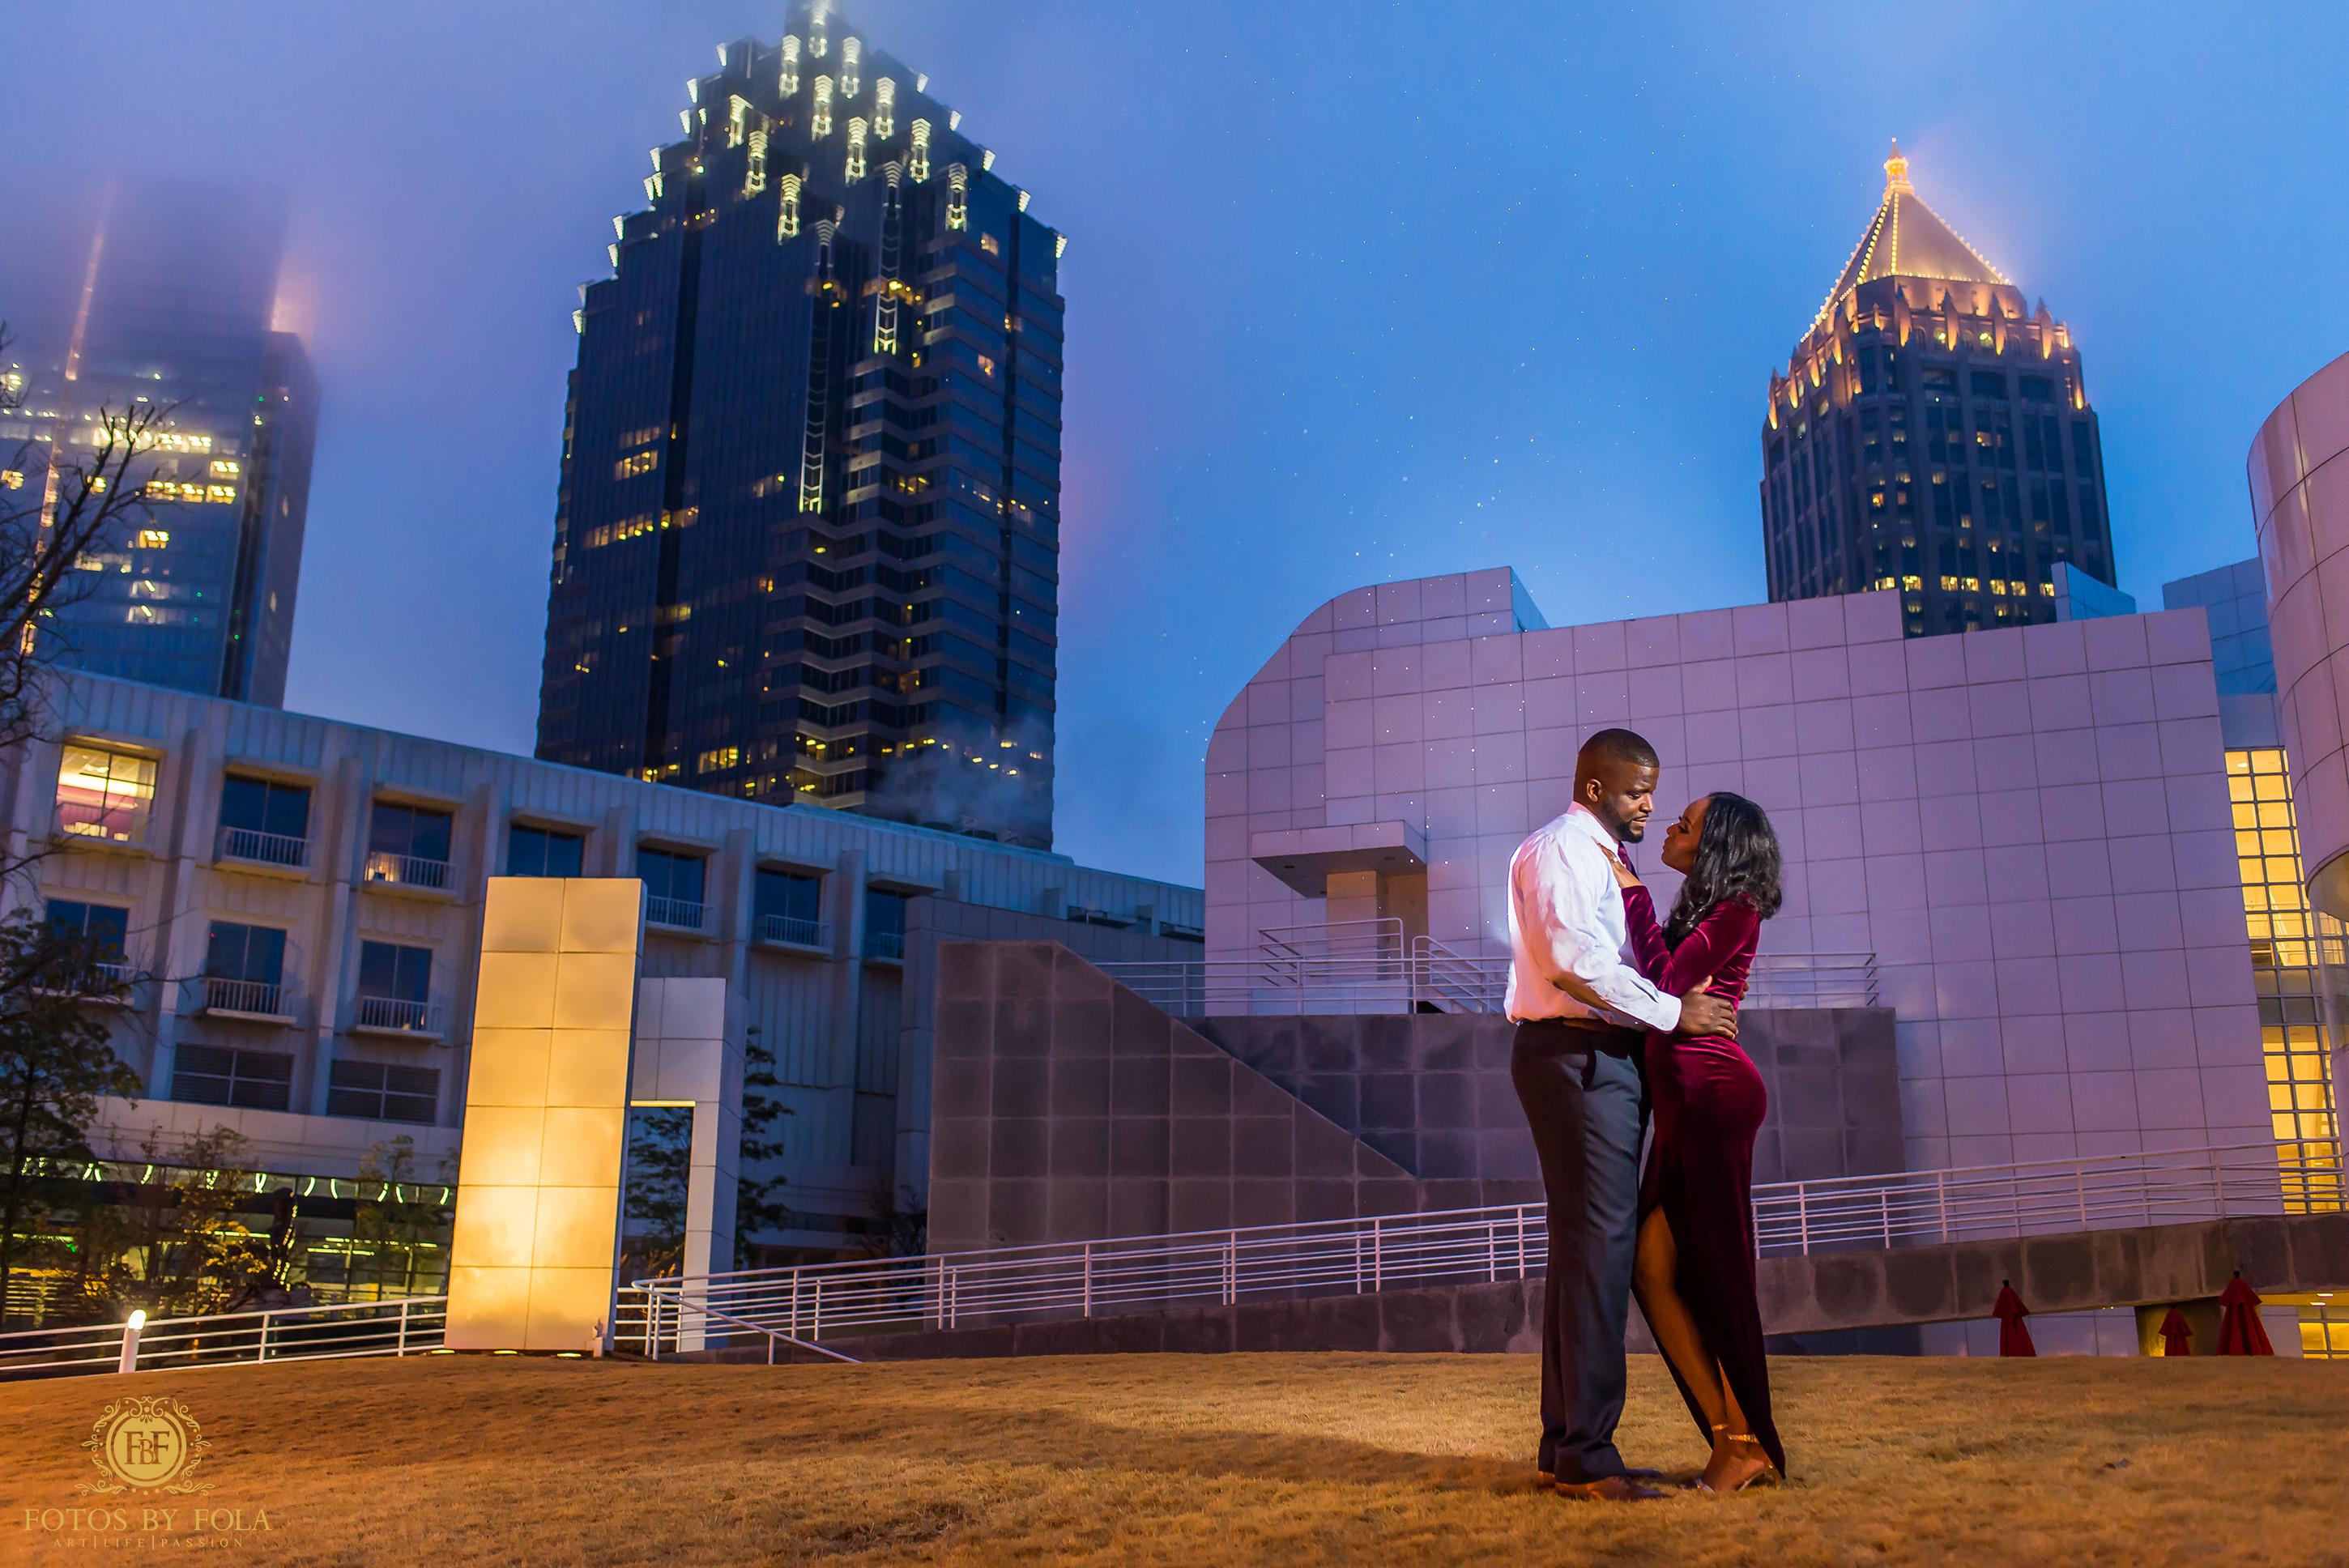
(1142, 1274)
(250, 998)
(789, 931)
(390, 1014)
(887, 946)
(409, 1325)
(679, 914)
(1812, 980)
(269, 849)
(1429, 976)
(407, 871)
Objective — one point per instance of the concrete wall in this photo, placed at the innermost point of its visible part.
(2027, 827)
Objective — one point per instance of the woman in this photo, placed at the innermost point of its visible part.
(1694, 1270)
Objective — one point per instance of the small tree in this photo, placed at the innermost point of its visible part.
(54, 1065)
(186, 1252)
(660, 1153)
(396, 1226)
(758, 1199)
(66, 501)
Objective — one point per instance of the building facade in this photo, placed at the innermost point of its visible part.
(807, 540)
(175, 311)
(2026, 830)
(298, 904)
(1932, 436)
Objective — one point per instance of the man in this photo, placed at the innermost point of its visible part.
(1580, 1006)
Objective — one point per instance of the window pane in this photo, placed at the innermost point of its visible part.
(105, 794)
(787, 895)
(536, 852)
(884, 913)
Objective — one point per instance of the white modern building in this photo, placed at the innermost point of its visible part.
(300, 901)
(2025, 830)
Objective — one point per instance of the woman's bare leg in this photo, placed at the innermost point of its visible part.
(1654, 1268)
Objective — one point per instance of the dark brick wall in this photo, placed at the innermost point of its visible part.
(1432, 1092)
(1065, 1108)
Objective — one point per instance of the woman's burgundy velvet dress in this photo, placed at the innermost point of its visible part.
(1709, 1102)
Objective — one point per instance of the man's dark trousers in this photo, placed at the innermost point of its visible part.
(1581, 1093)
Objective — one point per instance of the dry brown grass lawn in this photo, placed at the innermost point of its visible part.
(1209, 1460)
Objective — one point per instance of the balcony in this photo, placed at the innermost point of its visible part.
(249, 1001)
(407, 872)
(789, 931)
(885, 946)
(252, 848)
(676, 914)
(391, 1015)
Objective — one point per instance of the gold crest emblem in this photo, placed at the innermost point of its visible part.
(146, 1445)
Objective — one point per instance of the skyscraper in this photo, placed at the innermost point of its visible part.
(807, 541)
(171, 302)
(1931, 433)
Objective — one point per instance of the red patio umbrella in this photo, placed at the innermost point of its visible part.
(2013, 1340)
(2241, 1333)
(2175, 1337)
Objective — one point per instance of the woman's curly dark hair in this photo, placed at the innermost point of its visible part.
(1736, 857)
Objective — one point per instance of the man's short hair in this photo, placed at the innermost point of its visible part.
(1624, 748)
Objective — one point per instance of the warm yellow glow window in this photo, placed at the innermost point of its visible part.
(635, 464)
(104, 794)
(154, 539)
(225, 468)
(627, 527)
(1912, 583)
(1949, 584)
(720, 760)
(644, 438)
(11, 479)
(2284, 967)
(220, 493)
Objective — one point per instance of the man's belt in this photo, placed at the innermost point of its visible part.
(1612, 1038)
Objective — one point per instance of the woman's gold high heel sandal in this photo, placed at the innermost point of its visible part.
(1767, 1475)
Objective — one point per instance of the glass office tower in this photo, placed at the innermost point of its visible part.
(1931, 433)
(807, 537)
(172, 305)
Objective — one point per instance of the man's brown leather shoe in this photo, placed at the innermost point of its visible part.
(1608, 1489)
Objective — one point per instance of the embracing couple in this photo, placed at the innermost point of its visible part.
(1616, 1013)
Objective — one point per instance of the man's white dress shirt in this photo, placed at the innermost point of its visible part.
(1566, 917)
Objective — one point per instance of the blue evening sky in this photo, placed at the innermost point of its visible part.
(1356, 291)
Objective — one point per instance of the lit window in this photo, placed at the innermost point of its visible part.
(987, 243)
(1949, 584)
(786, 222)
(225, 468)
(856, 150)
(755, 180)
(189, 493)
(105, 794)
(641, 437)
(917, 160)
(12, 478)
(635, 464)
(884, 108)
(221, 494)
(720, 760)
(154, 539)
(958, 213)
(1912, 585)
(790, 81)
(851, 50)
(820, 126)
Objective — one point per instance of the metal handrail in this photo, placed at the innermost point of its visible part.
(1149, 1273)
(889, 947)
(791, 931)
(268, 848)
(254, 999)
(681, 914)
(392, 1013)
(405, 871)
(1432, 973)
(406, 1326)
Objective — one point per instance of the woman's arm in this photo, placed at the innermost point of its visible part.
(1647, 949)
(1724, 928)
